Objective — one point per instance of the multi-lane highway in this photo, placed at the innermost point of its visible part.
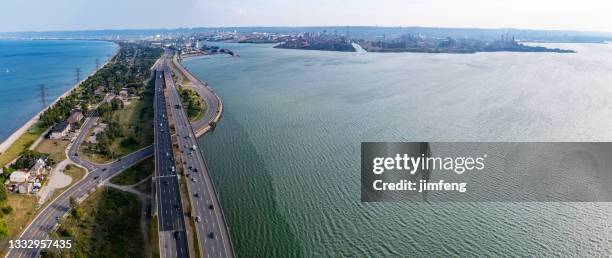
(213, 109)
(171, 226)
(212, 234)
(212, 231)
(98, 173)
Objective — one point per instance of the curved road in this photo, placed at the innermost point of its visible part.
(47, 219)
(213, 105)
(213, 235)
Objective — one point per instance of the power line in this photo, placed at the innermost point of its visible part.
(78, 75)
(43, 95)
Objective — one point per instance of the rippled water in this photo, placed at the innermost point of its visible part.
(26, 64)
(286, 159)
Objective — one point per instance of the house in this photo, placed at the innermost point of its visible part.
(124, 94)
(39, 167)
(24, 188)
(18, 181)
(19, 177)
(59, 130)
(75, 117)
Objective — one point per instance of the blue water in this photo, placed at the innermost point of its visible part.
(26, 64)
(285, 157)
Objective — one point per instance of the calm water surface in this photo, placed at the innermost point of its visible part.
(26, 64)
(285, 158)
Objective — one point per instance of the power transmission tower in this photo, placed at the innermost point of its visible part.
(78, 75)
(43, 95)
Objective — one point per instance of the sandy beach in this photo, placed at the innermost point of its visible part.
(23, 129)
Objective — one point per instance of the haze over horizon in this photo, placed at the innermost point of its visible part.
(63, 15)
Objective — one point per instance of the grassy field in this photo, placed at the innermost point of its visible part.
(24, 141)
(145, 187)
(154, 238)
(136, 120)
(194, 105)
(25, 207)
(93, 157)
(24, 210)
(55, 148)
(135, 173)
(108, 226)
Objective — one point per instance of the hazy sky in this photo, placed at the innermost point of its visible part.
(40, 15)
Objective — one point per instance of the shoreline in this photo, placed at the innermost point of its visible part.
(202, 128)
(32, 121)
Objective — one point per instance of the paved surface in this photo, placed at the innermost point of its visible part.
(171, 226)
(57, 180)
(212, 231)
(207, 94)
(48, 217)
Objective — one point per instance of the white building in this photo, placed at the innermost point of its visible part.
(19, 177)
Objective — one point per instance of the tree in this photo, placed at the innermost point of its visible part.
(3, 195)
(73, 202)
(84, 107)
(3, 229)
(116, 104)
(27, 159)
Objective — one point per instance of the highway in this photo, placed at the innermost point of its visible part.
(212, 101)
(171, 226)
(213, 236)
(47, 219)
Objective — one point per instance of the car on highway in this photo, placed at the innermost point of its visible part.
(198, 219)
(104, 169)
(96, 177)
(210, 207)
(196, 195)
(211, 235)
(193, 179)
(177, 235)
(166, 183)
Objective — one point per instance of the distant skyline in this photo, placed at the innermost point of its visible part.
(59, 15)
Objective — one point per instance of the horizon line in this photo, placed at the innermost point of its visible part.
(305, 26)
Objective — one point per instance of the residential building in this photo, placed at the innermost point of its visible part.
(75, 117)
(59, 130)
(39, 167)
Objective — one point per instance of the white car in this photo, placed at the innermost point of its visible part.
(198, 219)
